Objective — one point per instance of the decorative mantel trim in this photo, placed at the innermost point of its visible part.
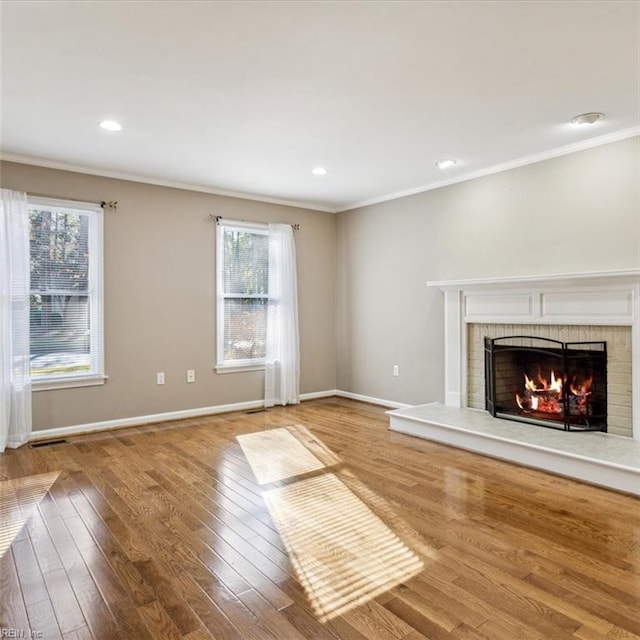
(549, 280)
(590, 298)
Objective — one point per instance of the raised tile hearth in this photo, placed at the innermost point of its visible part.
(598, 458)
(601, 306)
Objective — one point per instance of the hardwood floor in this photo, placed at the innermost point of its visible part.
(162, 531)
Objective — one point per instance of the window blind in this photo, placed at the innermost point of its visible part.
(66, 290)
(243, 288)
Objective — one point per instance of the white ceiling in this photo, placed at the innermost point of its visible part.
(247, 97)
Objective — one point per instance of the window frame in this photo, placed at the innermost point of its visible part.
(95, 293)
(248, 364)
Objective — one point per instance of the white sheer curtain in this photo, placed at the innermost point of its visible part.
(282, 368)
(15, 380)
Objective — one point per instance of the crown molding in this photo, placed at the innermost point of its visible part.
(608, 138)
(498, 168)
(132, 177)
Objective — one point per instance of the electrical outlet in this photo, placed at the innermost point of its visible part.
(396, 370)
(191, 375)
(160, 377)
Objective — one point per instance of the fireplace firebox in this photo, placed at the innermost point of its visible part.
(547, 382)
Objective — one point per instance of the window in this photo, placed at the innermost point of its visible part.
(66, 293)
(243, 292)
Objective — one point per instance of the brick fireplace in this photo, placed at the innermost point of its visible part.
(603, 308)
(577, 307)
(617, 339)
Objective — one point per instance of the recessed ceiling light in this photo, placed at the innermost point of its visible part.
(586, 119)
(319, 171)
(445, 164)
(111, 125)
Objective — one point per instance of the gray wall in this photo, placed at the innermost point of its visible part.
(160, 311)
(579, 212)
(364, 304)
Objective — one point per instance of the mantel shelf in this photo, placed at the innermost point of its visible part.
(537, 281)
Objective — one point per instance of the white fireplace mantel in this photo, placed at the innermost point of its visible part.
(588, 299)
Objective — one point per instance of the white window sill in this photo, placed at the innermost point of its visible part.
(67, 383)
(238, 368)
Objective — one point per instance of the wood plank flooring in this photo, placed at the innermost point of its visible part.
(162, 531)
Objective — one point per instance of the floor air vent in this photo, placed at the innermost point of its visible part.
(47, 443)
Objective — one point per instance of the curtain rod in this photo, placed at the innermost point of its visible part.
(112, 205)
(217, 219)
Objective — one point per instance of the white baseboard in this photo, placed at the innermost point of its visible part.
(371, 400)
(121, 423)
(134, 421)
(315, 395)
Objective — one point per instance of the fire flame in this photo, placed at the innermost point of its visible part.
(548, 397)
(541, 395)
(532, 403)
(583, 388)
(555, 385)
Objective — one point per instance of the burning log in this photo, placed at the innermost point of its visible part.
(543, 396)
(547, 397)
(580, 405)
(579, 397)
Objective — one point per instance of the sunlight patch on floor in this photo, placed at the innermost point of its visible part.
(18, 500)
(345, 543)
(343, 554)
(283, 453)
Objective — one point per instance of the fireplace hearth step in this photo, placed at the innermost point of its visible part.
(597, 458)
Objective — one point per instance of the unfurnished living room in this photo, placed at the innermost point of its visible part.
(320, 320)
